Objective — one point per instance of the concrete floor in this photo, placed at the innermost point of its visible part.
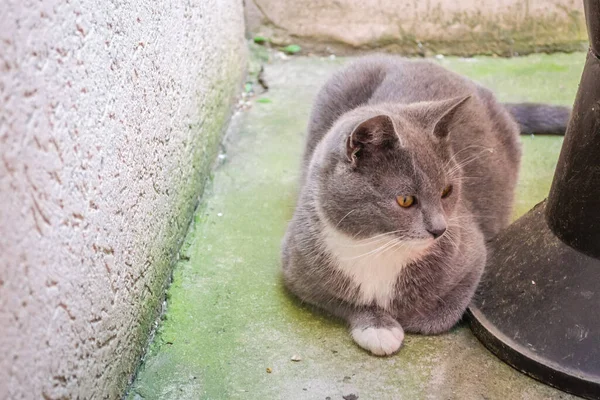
(230, 330)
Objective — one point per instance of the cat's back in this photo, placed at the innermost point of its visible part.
(411, 81)
(381, 79)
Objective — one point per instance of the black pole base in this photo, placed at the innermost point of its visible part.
(538, 306)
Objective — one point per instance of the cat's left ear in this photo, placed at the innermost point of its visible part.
(370, 136)
(444, 112)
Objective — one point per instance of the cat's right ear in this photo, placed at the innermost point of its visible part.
(370, 135)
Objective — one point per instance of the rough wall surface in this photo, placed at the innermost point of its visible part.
(465, 27)
(110, 116)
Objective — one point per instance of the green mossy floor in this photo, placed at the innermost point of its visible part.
(228, 317)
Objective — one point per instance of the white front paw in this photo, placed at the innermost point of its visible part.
(379, 341)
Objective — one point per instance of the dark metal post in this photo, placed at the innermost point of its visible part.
(538, 306)
(573, 210)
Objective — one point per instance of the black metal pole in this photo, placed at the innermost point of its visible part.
(573, 210)
(538, 305)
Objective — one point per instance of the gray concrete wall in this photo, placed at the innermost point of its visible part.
(110, 116)
(463, 27)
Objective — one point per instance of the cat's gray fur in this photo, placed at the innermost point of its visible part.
(381, 128)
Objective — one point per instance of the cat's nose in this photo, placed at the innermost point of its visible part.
(437, 232)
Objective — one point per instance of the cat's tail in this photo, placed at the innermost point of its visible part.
(540, 119)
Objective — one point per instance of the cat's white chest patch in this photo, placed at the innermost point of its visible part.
(373, 264)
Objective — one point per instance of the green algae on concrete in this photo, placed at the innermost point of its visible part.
(203, 137)
(229, 318)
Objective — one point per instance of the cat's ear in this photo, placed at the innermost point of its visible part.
(444, 112)
(374, 133)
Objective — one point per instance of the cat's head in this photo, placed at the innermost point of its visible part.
(390, 169)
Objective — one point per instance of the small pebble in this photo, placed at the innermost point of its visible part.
(296, 357)
(350, 396)
(282, 56)
(269, 370)
(219, 214)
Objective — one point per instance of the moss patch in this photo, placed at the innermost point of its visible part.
(205, 136)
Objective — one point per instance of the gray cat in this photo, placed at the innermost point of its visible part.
(408, 170)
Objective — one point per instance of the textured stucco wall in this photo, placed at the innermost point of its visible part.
(110, 116)
(463, 27)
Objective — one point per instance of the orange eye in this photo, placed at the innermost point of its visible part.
(447, 191)
(405, 201)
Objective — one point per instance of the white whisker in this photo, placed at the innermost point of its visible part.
(469, 160)
(340, 221)
(373, 252)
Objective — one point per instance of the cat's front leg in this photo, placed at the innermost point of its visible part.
(447, 310)
(376, 331)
